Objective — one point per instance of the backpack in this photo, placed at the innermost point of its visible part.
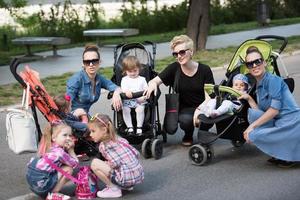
(86, 181)
(87, 188)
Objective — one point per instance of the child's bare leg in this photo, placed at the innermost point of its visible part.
(62, 180)
(102, 170)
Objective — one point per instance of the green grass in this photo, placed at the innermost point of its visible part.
(5, 56)
(11, 93)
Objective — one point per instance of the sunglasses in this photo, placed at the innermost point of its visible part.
(257, 62)
(181, 53)
(92, 61)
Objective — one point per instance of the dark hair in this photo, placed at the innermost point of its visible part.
(91, 48)
(253, 49)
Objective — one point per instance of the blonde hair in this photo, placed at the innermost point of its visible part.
(62, 103)
(50, 130)
(129, 63)
(101, 121)
(182, 39)
(91, 48)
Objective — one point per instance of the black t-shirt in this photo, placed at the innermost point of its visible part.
(190, 89)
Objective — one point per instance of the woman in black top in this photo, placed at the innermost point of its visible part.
(192, 77)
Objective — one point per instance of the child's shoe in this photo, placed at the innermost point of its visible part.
(129, 131)
(127, 188)
(110, 192)
(57, 196)
(139, 131)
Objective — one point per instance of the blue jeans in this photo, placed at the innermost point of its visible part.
(40, 182)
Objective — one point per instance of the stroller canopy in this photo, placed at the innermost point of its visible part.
(140, 52)
(238, 59)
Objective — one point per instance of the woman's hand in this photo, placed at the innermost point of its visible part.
(152, 86)
(247, 132)
(116, 100)
(250, 100)
(196, 120)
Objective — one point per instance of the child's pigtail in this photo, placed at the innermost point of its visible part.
(46, 139)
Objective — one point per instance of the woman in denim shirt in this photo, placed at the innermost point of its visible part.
(275, 118)
(84, 87)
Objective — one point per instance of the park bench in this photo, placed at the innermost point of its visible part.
(111, 32)
(29, 41)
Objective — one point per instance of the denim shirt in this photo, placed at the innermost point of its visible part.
(273, 92)
(79, 87)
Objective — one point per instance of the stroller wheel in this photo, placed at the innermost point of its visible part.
(157, 148)
(237, 143)
(198, 154)
(146, 148)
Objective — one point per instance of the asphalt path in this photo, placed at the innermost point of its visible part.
(233, 174)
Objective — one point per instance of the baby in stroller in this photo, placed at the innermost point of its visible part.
(209, 107)
(133, 82)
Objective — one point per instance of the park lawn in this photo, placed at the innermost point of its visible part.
(11, 93)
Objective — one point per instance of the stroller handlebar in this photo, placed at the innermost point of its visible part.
(13, 68)
(275, 37)
(210, 89)
(124, 97)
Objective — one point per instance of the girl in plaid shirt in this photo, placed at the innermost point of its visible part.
(57, 147)
(122, 169)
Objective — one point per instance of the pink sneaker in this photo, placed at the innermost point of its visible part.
(110, 192)
(57, 196)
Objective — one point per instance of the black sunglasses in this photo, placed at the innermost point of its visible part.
(92, 61)
(181, 53)
(257, 62)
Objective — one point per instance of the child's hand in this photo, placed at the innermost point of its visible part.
(141, 99)
(128, 94)
(70, 144)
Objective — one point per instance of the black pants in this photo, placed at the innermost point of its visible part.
(186, 122)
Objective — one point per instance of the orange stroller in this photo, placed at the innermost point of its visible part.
(43, 101)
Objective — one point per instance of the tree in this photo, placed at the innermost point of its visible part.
(198, 22)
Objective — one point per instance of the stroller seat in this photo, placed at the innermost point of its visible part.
(151, 144)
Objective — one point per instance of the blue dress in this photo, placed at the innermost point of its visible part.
(280, 137)
(79, 87)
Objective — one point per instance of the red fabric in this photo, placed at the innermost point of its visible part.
(41, 96)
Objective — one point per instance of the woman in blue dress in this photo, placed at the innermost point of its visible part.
(275, 118)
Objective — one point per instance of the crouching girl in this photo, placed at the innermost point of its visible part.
(122, 169)
(56, 147)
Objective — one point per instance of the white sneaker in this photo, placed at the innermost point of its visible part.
(110, 192)
(139, 131)
(57, 196)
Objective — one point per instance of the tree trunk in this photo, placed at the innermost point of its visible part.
(198, 22)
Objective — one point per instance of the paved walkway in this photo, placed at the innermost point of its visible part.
(71, 58)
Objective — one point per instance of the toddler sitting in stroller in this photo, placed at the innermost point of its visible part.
(77, 119)
(133, 82)
(208, 107)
